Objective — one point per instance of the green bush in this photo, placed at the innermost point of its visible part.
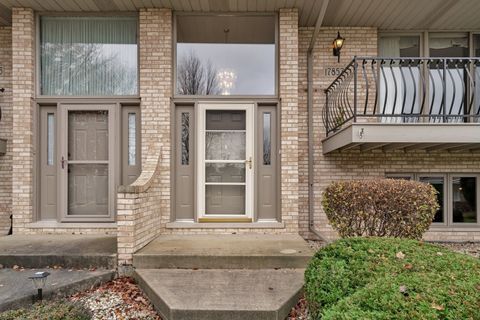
(391, 278)
(380, 208)
(60, 310)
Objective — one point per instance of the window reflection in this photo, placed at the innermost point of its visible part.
(438, 184)
(220, 55)
(88, 56)
(464, 191)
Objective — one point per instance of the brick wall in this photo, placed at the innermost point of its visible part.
(23, 53)
(354, 164)
(143, 208)
(6, 128)
(289, 117)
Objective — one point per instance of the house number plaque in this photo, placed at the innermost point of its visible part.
(333, 71)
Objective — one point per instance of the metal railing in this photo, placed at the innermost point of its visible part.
(404, 90)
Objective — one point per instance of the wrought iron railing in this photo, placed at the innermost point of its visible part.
(404, 90)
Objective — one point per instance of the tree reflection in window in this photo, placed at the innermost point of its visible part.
(185, 131)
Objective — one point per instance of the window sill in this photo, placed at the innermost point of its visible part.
(454, 228)
(74, 225)
(231, 225)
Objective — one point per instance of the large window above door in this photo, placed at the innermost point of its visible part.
(225, 55)
(88, 56)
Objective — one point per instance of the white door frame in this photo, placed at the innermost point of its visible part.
(249, 109)
(62, 160)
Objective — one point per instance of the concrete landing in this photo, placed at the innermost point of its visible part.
(246, 251)
(222, 294)
(16, 290)
(70, 251)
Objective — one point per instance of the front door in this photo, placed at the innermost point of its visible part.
(225, 163)
(86, 163)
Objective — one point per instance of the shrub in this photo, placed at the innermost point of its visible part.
(383, 207)
(391, 278)
(60, 310)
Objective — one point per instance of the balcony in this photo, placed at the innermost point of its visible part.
(404, 103)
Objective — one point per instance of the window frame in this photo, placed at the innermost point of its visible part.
(219, 97)
(38, 73)
(448, 197)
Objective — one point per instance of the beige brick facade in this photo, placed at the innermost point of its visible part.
(6, 128)
(355, 164)
(144, 208)
(23, 53)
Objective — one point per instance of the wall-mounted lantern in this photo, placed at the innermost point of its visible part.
(337, 45)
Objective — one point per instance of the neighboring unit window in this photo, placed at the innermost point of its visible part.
(185, 138)
(50, 138)
(88, 56)
(439, 184)
(225, 55)
(267, 138)
(464, 199)
(132, 139)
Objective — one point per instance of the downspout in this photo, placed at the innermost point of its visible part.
(311, 207)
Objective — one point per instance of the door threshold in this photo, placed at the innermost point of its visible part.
(225, 225)
(224, 220)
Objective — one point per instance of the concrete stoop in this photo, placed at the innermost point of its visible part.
(213, 277)
(214, 294)
(68, 251)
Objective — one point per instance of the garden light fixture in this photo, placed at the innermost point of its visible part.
(39, 279)
(337, 45)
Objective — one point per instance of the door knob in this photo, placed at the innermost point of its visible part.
(249, 162)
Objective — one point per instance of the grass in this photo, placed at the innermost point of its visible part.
(384, 278)
(59, 310)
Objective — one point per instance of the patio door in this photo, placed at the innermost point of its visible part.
(86, 157)
(225, 163)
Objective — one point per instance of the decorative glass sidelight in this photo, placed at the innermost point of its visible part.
(185, 128)
(267, 138)
(132, 139)
(50, 138)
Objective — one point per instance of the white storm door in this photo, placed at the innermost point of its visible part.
(225, 162)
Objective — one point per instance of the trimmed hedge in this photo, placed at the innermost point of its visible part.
(390, 278)
(59, 310)
(380, 208)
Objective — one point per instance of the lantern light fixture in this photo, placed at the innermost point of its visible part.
(39, 280)
(337, 45)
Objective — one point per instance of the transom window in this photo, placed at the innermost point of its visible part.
(225, 55)
(457, 195)
(88, 56)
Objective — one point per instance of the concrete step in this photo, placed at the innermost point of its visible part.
(246, 251)
(215, 294)
(68, 251)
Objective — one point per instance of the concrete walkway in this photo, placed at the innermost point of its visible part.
(40, 251)
(214, 277)
(16, 290)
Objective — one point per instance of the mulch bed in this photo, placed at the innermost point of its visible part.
(120, 299)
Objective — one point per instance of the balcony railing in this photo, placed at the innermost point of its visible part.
(404, 90)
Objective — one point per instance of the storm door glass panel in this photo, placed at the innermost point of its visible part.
(400, 83)
(226, 55)
(88, 163)
(446, 45)
(225, 145)
(88, 56)
(439, 184)
(464, 194)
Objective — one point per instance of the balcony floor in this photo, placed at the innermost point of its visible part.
(448, 137)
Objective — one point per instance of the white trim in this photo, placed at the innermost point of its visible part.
(249, 153)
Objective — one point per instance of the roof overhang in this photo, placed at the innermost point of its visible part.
(452, 137)
(383, 14)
